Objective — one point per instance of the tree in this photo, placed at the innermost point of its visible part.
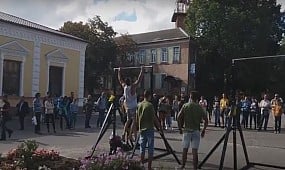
(103, 51)
(234, 29)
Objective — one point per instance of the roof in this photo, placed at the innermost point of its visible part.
(158, 36)
(22, 22)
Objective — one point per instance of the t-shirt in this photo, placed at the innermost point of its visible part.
(193, 115)
(145, 114)
(224, 103)
(130, 99)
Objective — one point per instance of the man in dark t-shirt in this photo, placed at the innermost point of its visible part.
(4, 118)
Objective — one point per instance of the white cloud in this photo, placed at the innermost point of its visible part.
(151, 14)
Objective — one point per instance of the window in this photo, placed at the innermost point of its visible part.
(176, 54)
(130, 57)
(141, 56)
(153, 56)
(11, 77)
(164, 55)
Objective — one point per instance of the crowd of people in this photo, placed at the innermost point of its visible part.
(147, 113)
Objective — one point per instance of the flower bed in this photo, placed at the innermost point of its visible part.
(28, 156)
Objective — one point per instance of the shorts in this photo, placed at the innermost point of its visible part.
(147, 137)
(131, 114)
(192, 137)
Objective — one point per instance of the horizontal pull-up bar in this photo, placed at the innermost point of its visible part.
(123, 68)
(255, 58)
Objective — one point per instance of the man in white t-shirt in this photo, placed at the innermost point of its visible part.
(265, 107)
(130, 102)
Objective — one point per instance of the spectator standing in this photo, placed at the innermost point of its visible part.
(4, 118)
(265, 106)
(22, 110)
(37, 109)
(277, 111)
(74, 111)
(245, 108)
(216, 111)
(155, 101)
(224, 108)
(102, 106)
(175, 106)
(253, 112)
(189, 118)
(203, 103)
(87, 109)
(49, 113)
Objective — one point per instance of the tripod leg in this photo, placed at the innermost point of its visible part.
(243, 145)
(229, 128)
(135, 146)
(211, 151)
(235, 147)
(103, 129)
(169, 148)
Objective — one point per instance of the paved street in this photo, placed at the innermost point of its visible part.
(263, 147)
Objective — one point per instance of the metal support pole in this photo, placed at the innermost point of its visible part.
(235, 143)
(151, 81)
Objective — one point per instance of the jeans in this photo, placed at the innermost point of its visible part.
(4, 129)
(264, 118)
(73, 118)
(168, 120)
(245, 115)
(50, 119)
(21, 120)
(87, 119)
(216, 112)
(101, 117)
(277, 123)
(38, 126)
(147, 138)
(253, 117)
(63, 116)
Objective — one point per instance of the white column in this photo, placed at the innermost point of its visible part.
(1, 72)
(63, 79)
(81, 77)
(36, 68)
(47, 84)
(22, 67)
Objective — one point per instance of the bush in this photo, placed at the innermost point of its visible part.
(104, 161)
(28, 156)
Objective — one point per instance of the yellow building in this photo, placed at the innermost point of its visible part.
(35, 58)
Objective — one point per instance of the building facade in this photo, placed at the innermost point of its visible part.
(168, 52)
(35, 58)
(172, 54)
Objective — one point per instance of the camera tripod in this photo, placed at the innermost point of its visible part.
(233, 125)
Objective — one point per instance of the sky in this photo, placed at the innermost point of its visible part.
(125, 16)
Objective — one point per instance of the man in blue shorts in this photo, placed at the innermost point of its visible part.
(189, 118)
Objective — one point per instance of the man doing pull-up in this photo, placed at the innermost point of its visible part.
(130, 102)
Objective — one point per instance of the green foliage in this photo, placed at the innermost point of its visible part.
(231, 29)
(102, 52)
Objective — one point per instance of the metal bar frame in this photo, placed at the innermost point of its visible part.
(133, 67)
